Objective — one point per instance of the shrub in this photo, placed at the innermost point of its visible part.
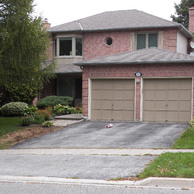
(60, 109)
(191, 123)
(45, 113)
(27, 120)
(38, 118)
(31, 110)
(14, 109)
(54, 100)
(48, 124)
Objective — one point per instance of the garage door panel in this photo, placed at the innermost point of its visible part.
(105, 115)
(185, 95)
(148, 94)
(161, 84)
(173, 95)
(96, 95)
(114, 100)
(168, 100)
(106, 105)
(160, 106)
(106, 95)
(172, 105)
(172, 116)
(97, 104)
(184, 115)
(107, 85)
(160, 95)
(185, 85)
(149, 105)
(174, 84)
(185, 105)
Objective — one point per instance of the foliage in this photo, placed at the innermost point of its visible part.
(62, 110)
(182, 12)
(186, 140)
(54, 100)
(45, 113)
(24, 47)
(9, 124)
(27, 120)
(18, 92)
(191, 122)
(171, 165)
(14, 109)
(48, 124)
(38, 118)
(30, 110)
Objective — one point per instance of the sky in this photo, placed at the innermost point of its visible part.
(62, 11)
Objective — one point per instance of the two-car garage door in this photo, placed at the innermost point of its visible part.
(163, 100)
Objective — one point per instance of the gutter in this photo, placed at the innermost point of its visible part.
(133, 62)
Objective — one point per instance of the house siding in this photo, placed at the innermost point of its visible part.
(126, 71)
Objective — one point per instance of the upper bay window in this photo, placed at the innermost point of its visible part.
(68, 46)
(147, 40)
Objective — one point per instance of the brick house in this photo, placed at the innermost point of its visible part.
(134, 66)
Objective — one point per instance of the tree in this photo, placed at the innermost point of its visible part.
(182, 12)
(23, 50)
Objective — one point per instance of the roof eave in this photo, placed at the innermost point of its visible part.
(134, 63)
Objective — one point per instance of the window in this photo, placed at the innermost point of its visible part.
(78, 46)
(147, 41)
(65, 46)
(68, 46)
(109, 41)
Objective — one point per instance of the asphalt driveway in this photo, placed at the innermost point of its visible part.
(93, 134)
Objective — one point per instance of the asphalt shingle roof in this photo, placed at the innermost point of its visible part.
(117, 20)
(61, 68)
(143, 56)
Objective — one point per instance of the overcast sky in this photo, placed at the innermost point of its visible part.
(62, 11)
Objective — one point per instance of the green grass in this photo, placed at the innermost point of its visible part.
(9, 124)
(186, 141)
(171, 165)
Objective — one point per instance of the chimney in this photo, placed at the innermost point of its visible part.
(191, 19)
(46, 24)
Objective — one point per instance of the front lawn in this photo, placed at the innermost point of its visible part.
(9, 124)
(171, 165)
(186, 141)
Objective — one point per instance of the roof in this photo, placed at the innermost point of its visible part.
(143, 56)
(117, 20)
(61, 68)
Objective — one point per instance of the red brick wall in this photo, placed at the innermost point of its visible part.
(170, 40)
(191, 19)
(95, 43)
(151, 71)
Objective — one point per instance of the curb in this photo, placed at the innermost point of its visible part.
(151, 182)
(80, 151)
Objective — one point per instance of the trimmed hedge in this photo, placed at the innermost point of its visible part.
(14, 109)
(54, 100)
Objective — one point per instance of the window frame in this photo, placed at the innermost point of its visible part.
(147, 39)
(57, 46)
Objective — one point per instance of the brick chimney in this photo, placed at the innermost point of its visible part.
(46, 24)
(191, 19)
